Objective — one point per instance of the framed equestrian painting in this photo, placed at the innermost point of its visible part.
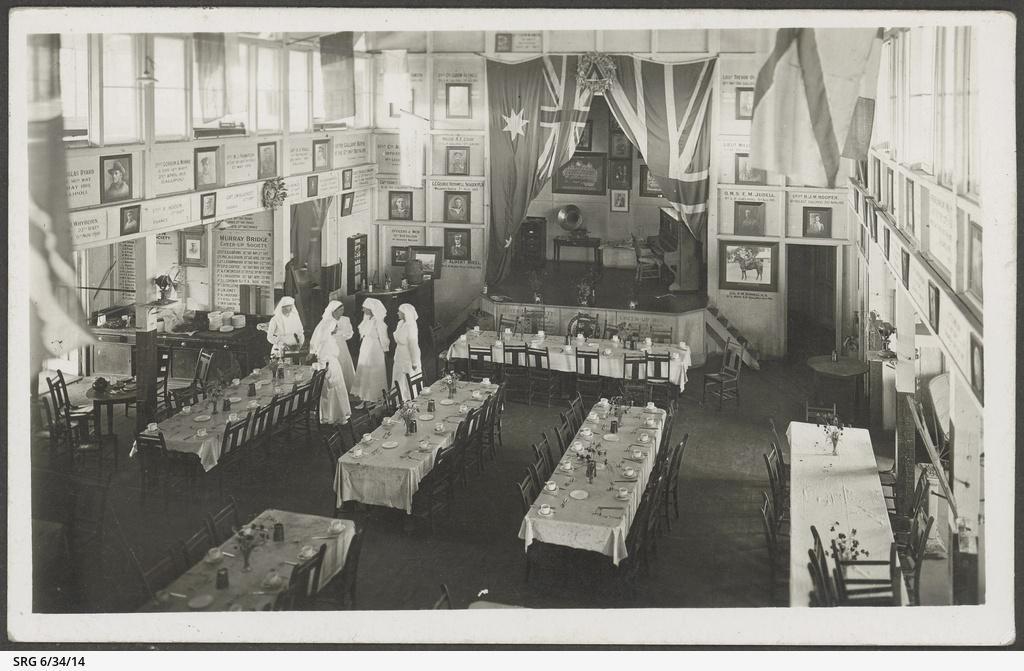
(749, 266)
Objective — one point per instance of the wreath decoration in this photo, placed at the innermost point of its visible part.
(595, 82)
(274, 193)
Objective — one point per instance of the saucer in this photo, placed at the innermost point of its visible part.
(306, 556)
(201, 418)
(611, 437)
(266, 584)
(200, 602)
(446, 401)
(579, 494)
(235, 399)
(390, 445)
(426, 418)
(213, 560)
(547, 514)
(622, 498)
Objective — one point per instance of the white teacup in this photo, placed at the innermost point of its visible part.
(186, 410)
(607, 352)
(486, 380)
(152, 427)
(252, 404)
(577, 446)
(463, 409)
(567, 349)
(579, 336)
(357, 451)
(586, 431)
(235, 382)
(540, 334)
(439, 427)
(462, 337)
(637, 454)
(644, 438)
(476, 329)
(683, 345)
(427, 390)
(566, 465)
(650, 422)
(214, 554)
(629, 473)
(201, 433)
(551, 485)
(623, 492)
(233, 417)
(615, 338)
(675, 356)
(367, 437)
(647, 341)
(337, 526)
(255, 371)
(603, 401)
(650, 405)
(508, 331)
(592, 417)
(307, 552)
(545, 509)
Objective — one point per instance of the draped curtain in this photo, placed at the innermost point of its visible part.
(339, 81)
(212, 81)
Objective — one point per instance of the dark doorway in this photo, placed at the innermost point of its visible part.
(811, 297)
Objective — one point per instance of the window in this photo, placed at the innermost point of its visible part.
(74, 85)
(974, 260)
(120, 90)
(945, 107)
(268, 89)
(169, 90)
(882, 133)
(298, 91)
(968, 86)
(921, 121)
(362, 94)
(220, 85)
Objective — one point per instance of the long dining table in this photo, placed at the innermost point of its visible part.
(591, 515)
(197, 588)
(387, 469)
(181, 431)
(562, 357)
(840, 491)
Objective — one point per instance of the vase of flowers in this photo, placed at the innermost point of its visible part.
(409, 412)
(833, 429)
(450, 382)
(846, 547)
(247, 539)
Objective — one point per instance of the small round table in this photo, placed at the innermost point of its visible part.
(109, 398)
(843, 368)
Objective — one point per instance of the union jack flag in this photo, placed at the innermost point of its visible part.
(563, 124)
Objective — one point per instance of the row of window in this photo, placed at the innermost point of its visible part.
(926, 114)
(221, 85)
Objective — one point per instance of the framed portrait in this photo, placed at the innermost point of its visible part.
(747, 173)
(206, 168)
(933, 306)
(750, 266)
(503, 42)
(192, 246)
(430, 257)
(346, 203)
(116, 172)
(321, 155)
(346, 179)
(886, 241)
(586, 136)
(744, 102)
(457, 244)
(748, 218)
(130, 218)
(267, 154)
(399, 255)
(975, 273)
(457, 101)
(400, 205)
(817, 222)
(456, 207)
(905, 268)
(208, 205)
(978, 367)
(584, 173)
(648, 184)
(618, 200)
(456, 160)
(312, 186)
(620, 174)
(619, 146)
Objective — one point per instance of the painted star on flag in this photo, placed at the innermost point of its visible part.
(515, 125)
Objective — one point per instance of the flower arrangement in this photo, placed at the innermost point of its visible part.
(847, 546)
(585, 285)
(274, 193)
(247, 538)
(450, 381)
(833, 428)
(409, 412)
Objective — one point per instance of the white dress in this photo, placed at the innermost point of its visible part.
(407, 355)
(334, 403)
(342, 336)
(371, 371)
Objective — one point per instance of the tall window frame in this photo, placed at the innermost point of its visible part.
(165, 97)
(125, 88)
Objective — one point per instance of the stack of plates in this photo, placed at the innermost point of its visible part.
(238, 321)
(216, 321)
(227, 328)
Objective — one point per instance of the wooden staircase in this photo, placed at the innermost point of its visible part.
(716, 325)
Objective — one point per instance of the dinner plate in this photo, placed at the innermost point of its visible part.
(426, 418)
(579, 494)
(612, 437)
(201, 418)
(446, 401)
(390, 445)
(201, 601)
(235, 399)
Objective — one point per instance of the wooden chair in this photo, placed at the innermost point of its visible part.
(662, 335)
(648, 267)
(783, 464)
(852, 591)
(473, 449)
(542, 459)
(672, 491)
(780, 495)
(444, 602)
(499, 411)
(660, 388)
(343, 586)
(260, 432)
(725, 384)
(201, 376)
(480, 363)
(587, 324)
(304, 583)
(902, 524)
(156, 577)
(589, 383)
(81, 446)
(817, 413)
(223, 523)
(331, 440)
(527, 488)
(392, 398)
(234, 450)
(488, 426)
(436, 492)
(193, 549)
(634, 378)
(824, 594)
(777, 554)
(543, 380)
(179, 398)
(152, 453)
(912, 556)
(515, 373)
(78, 503)
(563, 434)
(577, 412)
(415, 382)
(507, 322)
(359, 425)
(82, 414)
(775, 457)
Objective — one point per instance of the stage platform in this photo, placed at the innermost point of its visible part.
(682, 313)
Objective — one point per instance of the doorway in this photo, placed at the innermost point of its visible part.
(811, 300)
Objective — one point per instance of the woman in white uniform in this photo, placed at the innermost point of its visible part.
(407, 349)
(371, 371)
(334, 403)
(342, 329)
(285, 328)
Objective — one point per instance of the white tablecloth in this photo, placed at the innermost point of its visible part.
(391, 476)
(842, 491)
(610, 359)
(576, 525)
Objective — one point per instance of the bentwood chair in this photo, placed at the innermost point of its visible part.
(725, 384)
(912, 556)
(343, 586)
(515, 372)
(444, 602)
(223, 523)
(577, 412)
(851, 591)
(777, 555)
(824, 594)
(647, 265)
(673, 475)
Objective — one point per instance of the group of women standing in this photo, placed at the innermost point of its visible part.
(329, 343)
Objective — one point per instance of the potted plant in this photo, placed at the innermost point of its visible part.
(585, 285)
